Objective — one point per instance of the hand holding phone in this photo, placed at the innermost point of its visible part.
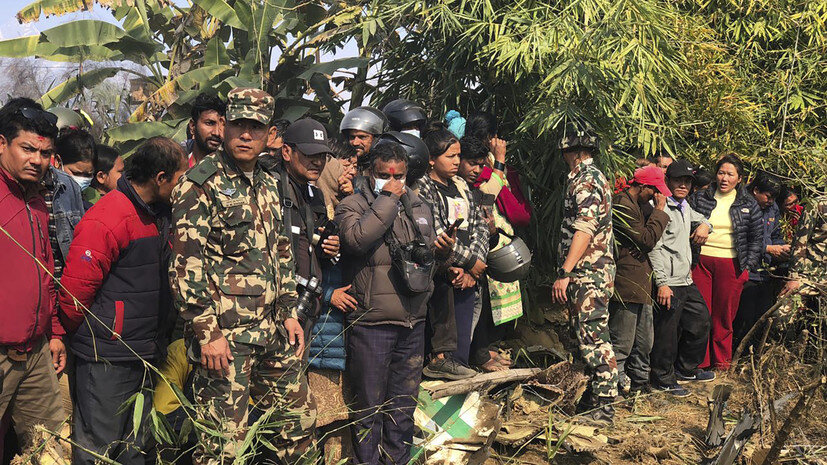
(453, 228)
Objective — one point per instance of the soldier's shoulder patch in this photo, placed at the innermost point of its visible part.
(202, 171)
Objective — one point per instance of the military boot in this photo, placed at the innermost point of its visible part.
(601, 413)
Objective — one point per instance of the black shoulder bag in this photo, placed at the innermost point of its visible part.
(413, 262)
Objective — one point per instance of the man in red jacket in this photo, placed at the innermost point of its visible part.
(116, 300)
(31, 350)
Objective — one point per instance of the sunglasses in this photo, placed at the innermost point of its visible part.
(33, 114)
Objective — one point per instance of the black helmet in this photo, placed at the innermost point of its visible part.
(417, 151)
(577, 136)
(367, 119)
(509, 263)
(401, 113)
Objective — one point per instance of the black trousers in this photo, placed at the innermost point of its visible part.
(442, 320)
(100, 390)
(681, 335)
(756, 298)
(384, 367)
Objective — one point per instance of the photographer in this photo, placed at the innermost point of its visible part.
(386, 339)
(314, 241)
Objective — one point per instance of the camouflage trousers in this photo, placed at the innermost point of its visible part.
(275, 380)
(588, 305)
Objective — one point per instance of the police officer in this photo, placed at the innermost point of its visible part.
(362, 127)
(585, 278)
(305, 152)
(233, 282)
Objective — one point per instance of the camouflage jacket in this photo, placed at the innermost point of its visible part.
(809, 249)
(588, 208)
(232, 266)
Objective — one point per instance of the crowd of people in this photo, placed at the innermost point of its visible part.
(216, 277)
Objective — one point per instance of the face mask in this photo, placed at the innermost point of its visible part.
(82, 181)
(414, 132)
(379, 184)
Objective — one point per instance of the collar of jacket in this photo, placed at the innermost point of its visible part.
(581, 166)
(742, 194)
(22, 190)
(125, 187)
(232, 169)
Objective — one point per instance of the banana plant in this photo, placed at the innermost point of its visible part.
(176, 51)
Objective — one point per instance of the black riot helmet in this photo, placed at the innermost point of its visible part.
(417, 151)
(404, 114)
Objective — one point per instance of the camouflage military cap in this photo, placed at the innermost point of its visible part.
(250, 103)
(576, 136)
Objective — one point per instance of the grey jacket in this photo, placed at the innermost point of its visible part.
(672, 256)
(363, 219)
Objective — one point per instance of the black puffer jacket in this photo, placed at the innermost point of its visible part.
(747, 224)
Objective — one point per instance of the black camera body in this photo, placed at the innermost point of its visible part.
(311, 289)
(419, 252)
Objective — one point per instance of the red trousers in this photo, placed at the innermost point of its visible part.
(720, 286)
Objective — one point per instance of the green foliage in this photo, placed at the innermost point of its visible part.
(695, 79)
(213, 45)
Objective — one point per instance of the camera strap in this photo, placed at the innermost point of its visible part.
(290, 199)
(390, 240)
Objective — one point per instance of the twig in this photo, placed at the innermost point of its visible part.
(745, 341)
(764, 338)
(796, 413)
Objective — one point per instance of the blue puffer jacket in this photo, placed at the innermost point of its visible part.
(747, 224)
(327, 343)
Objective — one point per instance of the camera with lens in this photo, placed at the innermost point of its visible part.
(419, 253)
(311, 289)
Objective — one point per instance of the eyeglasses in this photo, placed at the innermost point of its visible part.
(32, 114)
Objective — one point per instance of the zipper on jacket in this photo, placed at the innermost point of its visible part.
(37, 271)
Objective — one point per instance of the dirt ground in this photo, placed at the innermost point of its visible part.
(661, 429)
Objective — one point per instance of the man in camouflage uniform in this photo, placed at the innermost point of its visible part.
(232, 276)
(585, 278)
(809, 255)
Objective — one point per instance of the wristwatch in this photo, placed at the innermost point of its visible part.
(498, 165)
(562, 273)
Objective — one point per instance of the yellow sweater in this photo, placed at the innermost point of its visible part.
(721, 242)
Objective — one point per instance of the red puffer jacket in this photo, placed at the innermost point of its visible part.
(27, 289)
(117, 270)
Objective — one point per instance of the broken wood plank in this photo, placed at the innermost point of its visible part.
(481, 382)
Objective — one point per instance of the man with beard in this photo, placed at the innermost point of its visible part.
(206, 126)
(362, 127)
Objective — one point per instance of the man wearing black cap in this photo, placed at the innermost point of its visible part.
(304, 153)
(681, 317)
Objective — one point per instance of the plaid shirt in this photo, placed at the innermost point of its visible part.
(463, 255)
(48, 192)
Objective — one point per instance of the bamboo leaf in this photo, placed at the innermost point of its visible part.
(137, 413)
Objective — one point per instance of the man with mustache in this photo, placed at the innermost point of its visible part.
(31, 347)
(304, 154)
(206, 126)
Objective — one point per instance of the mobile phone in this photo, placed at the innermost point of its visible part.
(452, 228)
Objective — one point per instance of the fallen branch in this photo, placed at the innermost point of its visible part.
(795, 415)
(483, 382)
(748, 337)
